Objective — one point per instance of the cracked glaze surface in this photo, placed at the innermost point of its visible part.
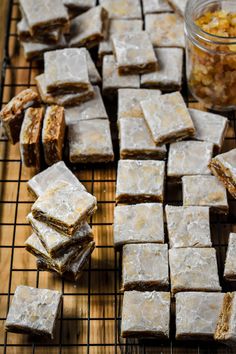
(188, 226)
(66, 67)
(90, 140)
(136, 140)
(88, 27)
(230, 262)
(165, 30)
(129, 101)
(91, 109)
(64, 205)
(118, 26)
(209, 127)
(47, 178)
(145, 265)
(167, 117)
(155, 6)
(62, 100)
(204, 191)
(44, 12)
(193, 269)
(111, 78)
(197, 314)
(141, 223)
(125, 9)
(169, 74)
(140, 179)
(133, 49)
(55, 241)
(33, 310)
(146, 313)
(189, 158)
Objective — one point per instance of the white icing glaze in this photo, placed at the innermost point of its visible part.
(125, 9)
(91, 109)
(170, 71)
(146, 312)
(139, 223)
(204, 191)
(230, 262)
(155, 6)
(197, 314)
(189, 158)
(129, 101)
(193, 269)
(165, 30)
(140, 178)
(188, 226)
(143, 264)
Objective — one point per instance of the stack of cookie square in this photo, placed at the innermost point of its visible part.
(42, 26)
(62, 240)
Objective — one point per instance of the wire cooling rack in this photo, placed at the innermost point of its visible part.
(91, 312)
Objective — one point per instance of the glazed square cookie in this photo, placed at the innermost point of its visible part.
(66, 71)
(193, 269)
(197, 315)
(224, 168)
(168, 118)
(125, 9)
(53, 134)
(56, 243)
(188, 226)
(44, 14)
(209, 127)
(136, 141)
(69, 99)
(30, 136)
(225, 331)
(90, 141)
(168, 76)
(140, 181)
(134, 53)
(92, 109)
(117, 26)
(112, 81)
(23, 31)
(129, 101)
(13, 113)
(89, 28)
(64, 207)
(74, 270)
(179, 5)
(145, 267)
(230, 262)
(189, 158)
(141, 223)
(35, 51)
(33, 311)
(205, 191)
(155, 6)
(165, 30)
(146, 314)
(38, 184)
(34, 246)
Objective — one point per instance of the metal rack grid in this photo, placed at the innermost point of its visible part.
(91, 311)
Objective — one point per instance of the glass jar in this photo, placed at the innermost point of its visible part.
(211, 59)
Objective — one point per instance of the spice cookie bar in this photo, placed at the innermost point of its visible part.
(230, 262)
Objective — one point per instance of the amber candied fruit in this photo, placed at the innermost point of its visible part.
(212, 62)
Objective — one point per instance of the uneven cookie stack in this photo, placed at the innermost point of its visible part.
(42, 28)
(62, 240)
